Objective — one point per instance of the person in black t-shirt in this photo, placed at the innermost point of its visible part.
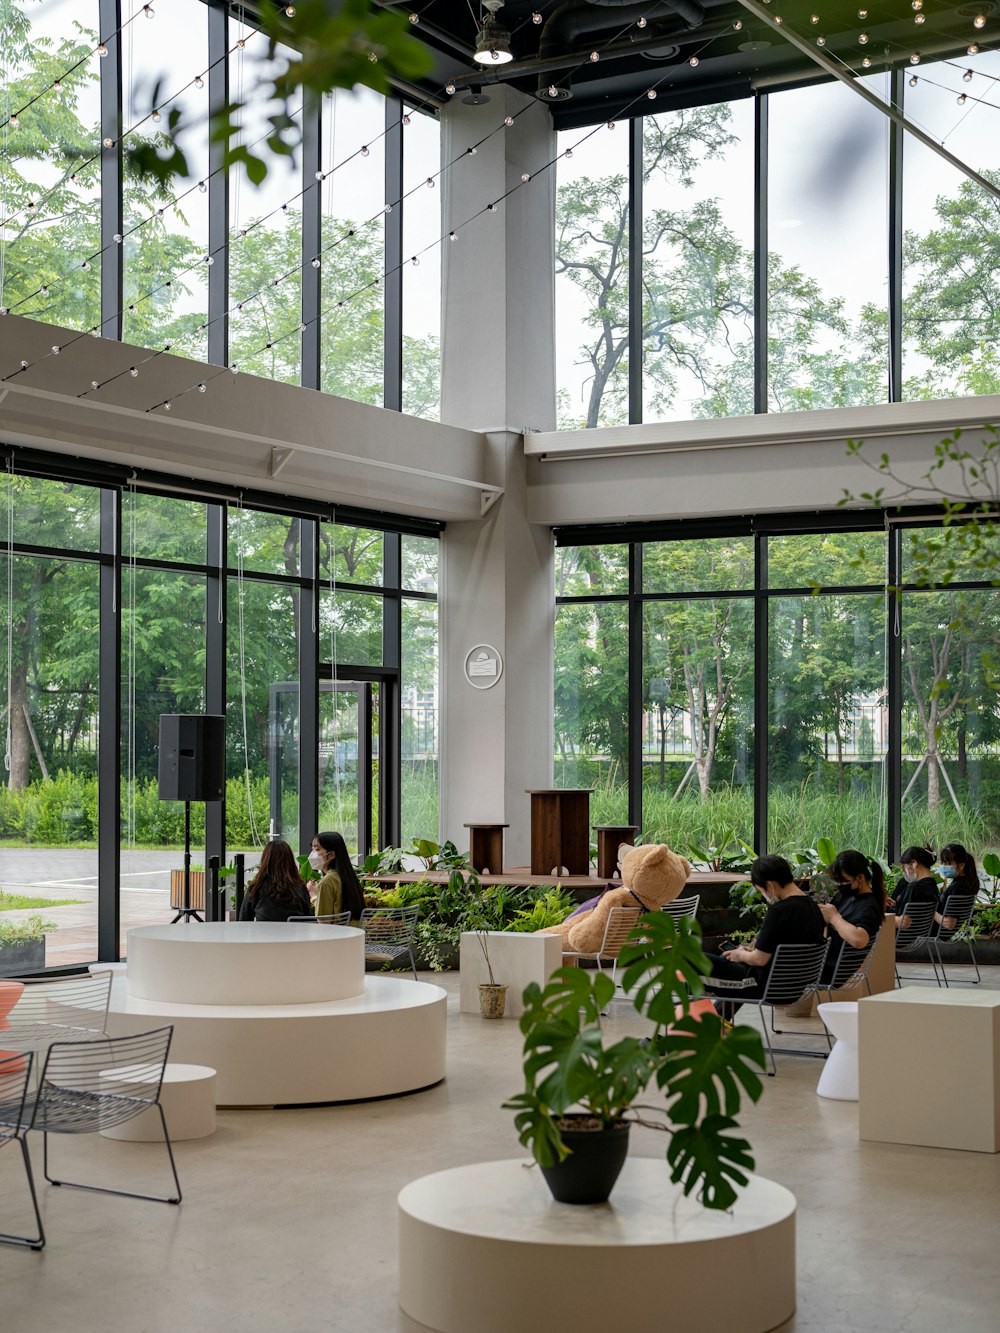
(958, 869)
(858, 909)
(918, 885)
(792, 917)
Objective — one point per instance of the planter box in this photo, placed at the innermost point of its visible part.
(197, 889)
(18, 959)
(987, 954)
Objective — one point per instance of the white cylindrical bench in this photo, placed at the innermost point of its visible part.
(839, 1079)
(116, 969)
(486, 1248)
(188, 1100)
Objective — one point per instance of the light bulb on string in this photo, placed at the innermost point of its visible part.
(778, 19)
(821, 41)
(508, 121)
(961, 99)
(289, 11)
(915, 58)
(640, 22)
(149, 11)
(117, 238)
(365, 150)
(862, 14)
(430, 182)
(867, 62)
(491, 208)
(979, 21)
(536, 18)
(57, 86)
(651, 94)
(31, 206)
(202, 388)
(452, 235)
(920, 18)
(406, 118)
(913, 80)
(155, 116)
(917, 4)
(595, 56)
(109, 143)
(414, 18)
(862, 39)
(693, 61)
(525, 176)
(967, 76)
(611, 124)
(102, 50)
(14, 121)
(168, 405)
(415, 261)
(199, 82)
(133, 371)
(373, 57)
(568, 153)
(738, 25)
(973, 50)
(813, 18)
(203, 186)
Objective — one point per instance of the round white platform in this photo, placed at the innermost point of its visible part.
(246, 963)
(188, 1100)
(389, 1039)
(485, 1247)
(839, 1079)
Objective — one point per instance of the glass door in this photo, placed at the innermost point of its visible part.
(349, 780)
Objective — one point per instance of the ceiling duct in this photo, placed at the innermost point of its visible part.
(581, 18)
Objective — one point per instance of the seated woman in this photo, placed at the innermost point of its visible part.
(918, 885)
(276, 892)
(792, 917)
(338, 889)
(960, 876)
(858, 908)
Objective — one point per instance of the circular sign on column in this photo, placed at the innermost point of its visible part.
(483, 666)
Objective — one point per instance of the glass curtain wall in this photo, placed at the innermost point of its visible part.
(740, 688)
(209, 601)
(822, 251)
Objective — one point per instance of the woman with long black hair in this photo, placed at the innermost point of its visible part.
(338, 889)
(276, 892)
(958, 868)
(858, 909)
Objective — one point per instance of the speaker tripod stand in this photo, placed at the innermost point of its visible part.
(187, 912)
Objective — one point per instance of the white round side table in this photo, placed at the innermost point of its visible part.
(486, 1248)
(188, 1100)
(839, 1079)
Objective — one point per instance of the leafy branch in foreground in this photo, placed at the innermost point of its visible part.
(702, 1072)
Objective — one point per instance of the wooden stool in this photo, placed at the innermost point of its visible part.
(560, 830)
(609, 838)
(486, 847)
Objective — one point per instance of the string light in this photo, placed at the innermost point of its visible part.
(738, 25)
(920, 18)
(449, 88)
(967, 76)
(595, 56)
(913, 80)
(821, 41)
(651, 94)
(867, 62)
(863, 39)
(915, 58)
(640, 22)
(973, 50)
(813, 18)
(102, 50)
(693, 61)
(961, 99)
(536, 18)
(917, 4)
(979, 21)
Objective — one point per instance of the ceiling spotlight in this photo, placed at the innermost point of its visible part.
(475, 96)
(493, 39)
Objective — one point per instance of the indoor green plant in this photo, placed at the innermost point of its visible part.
(22, 944)
(581, 1093)
(492, 994)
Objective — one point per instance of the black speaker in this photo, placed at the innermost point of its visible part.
(192, 757)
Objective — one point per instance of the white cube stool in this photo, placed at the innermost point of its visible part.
(188, 1100)
(839, 1079)
(516, 957)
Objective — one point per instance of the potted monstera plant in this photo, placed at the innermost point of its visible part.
(581, 1092)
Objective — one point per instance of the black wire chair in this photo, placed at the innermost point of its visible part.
(914, 934)
(794, 972)
(15, 1079)
(389, 934)
(960, 907)
(328, 919)
(850, 971)
(87, 1086)
(73, 1008)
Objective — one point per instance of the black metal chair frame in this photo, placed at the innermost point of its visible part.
(70, 1099)
(795, 972)
(389, 933)
(851, 969)
(15, 1079)
(73, 1008)
(960, 907)
(917, 935)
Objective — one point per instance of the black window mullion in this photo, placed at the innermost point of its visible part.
(312, 202)
(761, 698)
(894, 685)
(635, 634)
(760, 245)
(392, 287)
(308, 600)
(109, 731)
(218, 190)
(112, 210)
(635, 271)
(215, 673)
(896, 242)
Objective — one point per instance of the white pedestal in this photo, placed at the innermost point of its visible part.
(516, 958)
(929, 1068)
(390, 1039)
(188, 1100)
(486, 1248)
(839, 1079)
(246, 962)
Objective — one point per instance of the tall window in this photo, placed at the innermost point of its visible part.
(422, 265)
(766, 692)
(50, 184)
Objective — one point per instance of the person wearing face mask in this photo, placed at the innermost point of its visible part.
(338, 889)
(918, 885)
(958, 869)
(792, 917)
(858, 908)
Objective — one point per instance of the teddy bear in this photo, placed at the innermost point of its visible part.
(652, 876)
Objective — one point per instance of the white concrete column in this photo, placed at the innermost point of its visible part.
(498, 376)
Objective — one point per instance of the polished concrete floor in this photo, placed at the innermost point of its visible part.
(289, 1217)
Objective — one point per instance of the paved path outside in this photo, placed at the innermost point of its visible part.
(44, 873)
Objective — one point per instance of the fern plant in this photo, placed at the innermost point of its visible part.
(702, 1072)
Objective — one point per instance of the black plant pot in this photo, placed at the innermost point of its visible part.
(596, 1158)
